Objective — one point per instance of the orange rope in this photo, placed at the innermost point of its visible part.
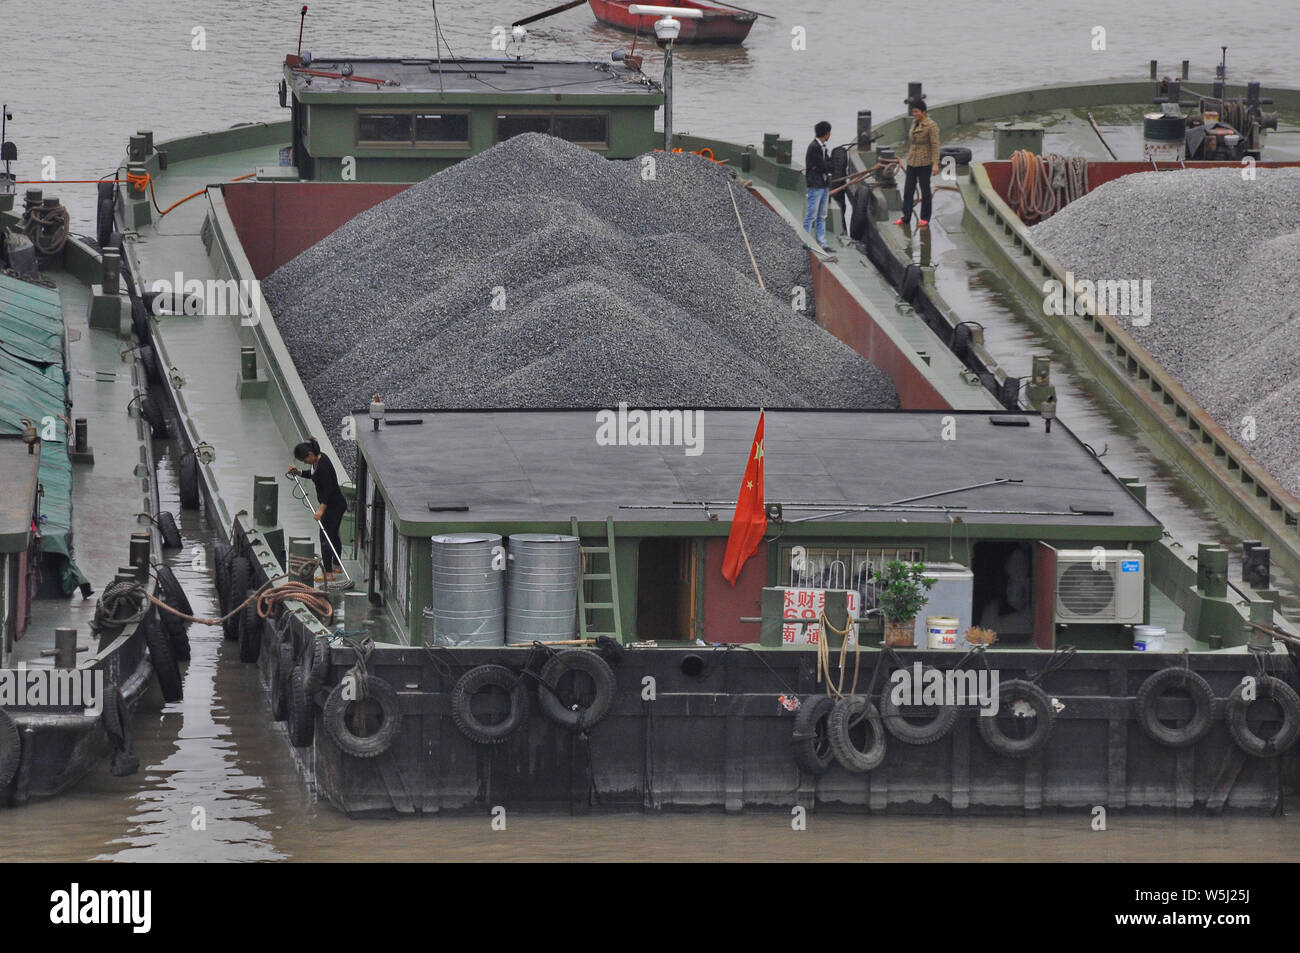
(137, 182)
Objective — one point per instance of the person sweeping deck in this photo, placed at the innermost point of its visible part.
(332, 503)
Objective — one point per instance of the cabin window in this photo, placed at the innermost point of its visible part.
(589, 130)
(384, 127)
(584, 129)
(844, 567)
(516, 124)
(399, 576)
(665, 589)
(443, 128)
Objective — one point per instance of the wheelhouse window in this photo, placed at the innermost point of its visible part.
(584, 129)
(411, 128)
(451, 129)
(384, 127)
(844, 567)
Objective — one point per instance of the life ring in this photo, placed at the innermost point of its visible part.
(239, 583)
(861, 213)
(945, 716)
(365, 688)
(188, 477)
(846, 714)
(281, 668)
(11, 748)
(171, 536)
(302, 717)
(250, 633)
(1042, 713)
(1148, 701)
(1266, 686)
(474, 681)
(318, 662)
(574, 710)
(811, 738)
(960, 154)
(164, 662)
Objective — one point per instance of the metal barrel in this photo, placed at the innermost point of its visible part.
(468, 589)
(543, 588)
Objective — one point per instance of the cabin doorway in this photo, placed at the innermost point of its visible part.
(665, 590)
(1004, 589)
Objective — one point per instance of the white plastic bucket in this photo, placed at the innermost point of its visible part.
(941, 631)
(1148, 638)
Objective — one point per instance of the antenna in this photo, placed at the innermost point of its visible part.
(437, 38)
(302, 21)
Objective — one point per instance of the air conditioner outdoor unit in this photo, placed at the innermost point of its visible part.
(1094, 585)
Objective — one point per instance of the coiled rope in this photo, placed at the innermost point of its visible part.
(1043, 185)
(824, 654)
(124, 603)
(38, 220)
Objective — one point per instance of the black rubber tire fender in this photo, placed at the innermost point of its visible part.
(847, 713)
(239, 588)
(104, 221)
(933, 730)
(153, 415)
(317, 662)
(1148, 698)
(1266, 686)
(596, 668)
(139, 316)
(251, 625)
(164, 662)
(152, 367)
(221, 574)
(470, 684)
(302, 716)
(171, 536)
(1019, 690)
(188, 477)
(371, 688)
(861, 213)
(175, 591)
(811, 737)
(281, 669)
(960, 154)
(909, 285)
(11, 748)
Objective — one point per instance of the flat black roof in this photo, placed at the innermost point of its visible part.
(475, 75)
(546, 465)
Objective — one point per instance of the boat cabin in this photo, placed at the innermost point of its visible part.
(1031, 533)
(401, 120)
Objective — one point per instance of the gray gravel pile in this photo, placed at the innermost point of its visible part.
(617, 288)
(1223, 258)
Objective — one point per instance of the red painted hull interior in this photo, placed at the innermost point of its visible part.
(1099, 173)
(718, 25)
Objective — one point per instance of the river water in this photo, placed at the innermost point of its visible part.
(217, 781)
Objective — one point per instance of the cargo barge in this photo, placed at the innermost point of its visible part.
(688, 693)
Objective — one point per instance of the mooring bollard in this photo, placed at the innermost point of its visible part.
(266, 501)
(65, 648)
(140, 549)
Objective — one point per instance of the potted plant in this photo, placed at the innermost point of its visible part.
(901, 592)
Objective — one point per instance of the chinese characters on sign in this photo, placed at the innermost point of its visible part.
(808, 604)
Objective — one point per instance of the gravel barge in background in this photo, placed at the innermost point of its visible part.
(1222, 254)
(539, 274)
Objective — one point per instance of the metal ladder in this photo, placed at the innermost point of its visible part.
(609, 576)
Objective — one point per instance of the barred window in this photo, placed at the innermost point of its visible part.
(845, 567)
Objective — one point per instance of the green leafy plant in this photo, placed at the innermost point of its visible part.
(901, 590)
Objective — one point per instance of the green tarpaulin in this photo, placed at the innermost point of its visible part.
(34, 387)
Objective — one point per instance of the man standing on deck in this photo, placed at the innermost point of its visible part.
(817, 175)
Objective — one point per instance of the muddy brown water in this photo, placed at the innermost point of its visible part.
(217, 782)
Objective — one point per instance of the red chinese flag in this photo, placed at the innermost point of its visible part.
(750, 522)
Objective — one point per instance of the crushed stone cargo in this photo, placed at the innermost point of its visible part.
(539, 274)
(1222, 254)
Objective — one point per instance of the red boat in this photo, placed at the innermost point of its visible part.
(718, 25)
